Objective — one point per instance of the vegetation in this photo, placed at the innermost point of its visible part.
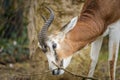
(13, 32)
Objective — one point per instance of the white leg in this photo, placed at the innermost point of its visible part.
(114, 40)
(95, 49)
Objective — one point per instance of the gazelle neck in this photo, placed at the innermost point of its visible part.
(91, 24)
(82, 34)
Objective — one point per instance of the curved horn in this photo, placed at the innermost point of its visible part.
(44, 18)
(43, 33)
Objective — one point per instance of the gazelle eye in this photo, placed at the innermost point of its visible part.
(54, 45)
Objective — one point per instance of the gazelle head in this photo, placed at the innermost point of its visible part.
(56, 47)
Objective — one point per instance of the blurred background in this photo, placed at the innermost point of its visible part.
(20, 57)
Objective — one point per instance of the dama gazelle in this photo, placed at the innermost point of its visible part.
(97, 19)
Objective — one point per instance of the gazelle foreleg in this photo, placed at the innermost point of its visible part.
(113, 50)
(95, 49)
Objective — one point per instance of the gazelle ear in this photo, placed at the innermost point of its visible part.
(70, 25)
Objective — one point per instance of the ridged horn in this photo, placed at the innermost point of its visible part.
(42, 37)
(44, 18)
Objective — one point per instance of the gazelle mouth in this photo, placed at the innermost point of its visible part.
(57, 71)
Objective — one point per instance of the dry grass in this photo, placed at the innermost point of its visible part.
(32, 69)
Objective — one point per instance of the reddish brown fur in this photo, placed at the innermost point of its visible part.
(96, 15)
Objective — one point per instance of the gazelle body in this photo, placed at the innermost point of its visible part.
(97, 19)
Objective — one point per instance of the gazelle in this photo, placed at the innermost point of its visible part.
(97, 19)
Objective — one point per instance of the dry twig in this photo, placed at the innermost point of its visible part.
(84, 77)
